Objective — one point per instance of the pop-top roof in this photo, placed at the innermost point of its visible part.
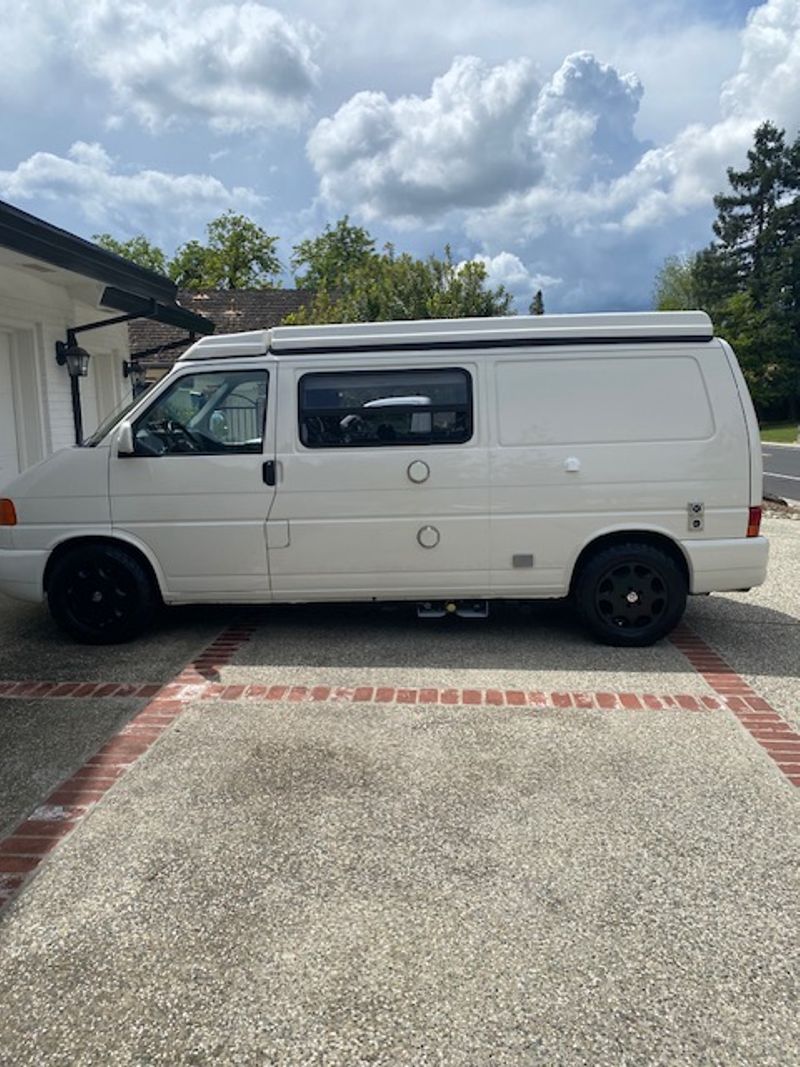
(519, 331)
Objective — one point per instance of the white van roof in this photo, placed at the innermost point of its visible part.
(501, 332)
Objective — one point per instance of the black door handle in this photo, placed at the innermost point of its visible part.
(268, 472)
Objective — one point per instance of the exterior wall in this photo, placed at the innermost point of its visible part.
(35, 313)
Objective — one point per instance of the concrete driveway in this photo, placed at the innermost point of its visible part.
(344, 836)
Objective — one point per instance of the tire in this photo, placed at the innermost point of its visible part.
(101, 594)
(610, 579)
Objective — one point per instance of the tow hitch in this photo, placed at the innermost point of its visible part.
(466, 609)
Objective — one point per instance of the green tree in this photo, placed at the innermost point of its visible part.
(330, 258)
(238, 254)
(536, 306)
(387, 286)
(675, 285)
(138, 250)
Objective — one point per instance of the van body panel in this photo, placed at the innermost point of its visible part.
(201, 515)
(581, 426)
(356, 515)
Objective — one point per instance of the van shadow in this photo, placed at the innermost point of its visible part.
(541, 636)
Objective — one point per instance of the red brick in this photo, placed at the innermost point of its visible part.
(384, 695)
(630, 701)
(165, 707)
(232, 692)
(780, 744)
(85, 690)
(652, 702)
(148, 690)
(789, 767)
(494, 697)
(143, 731)
(538, 700)
(561, 700)
(515, 697)
(77, 793)
(18, 864)
(100, 774)
(10, 884)
(320, 692)
(256, 692)
(47, 827)
(6, 686)
(17, 845)
(736, 703)
(688, 703)
(757, 704)
(583, 700)
(277, 692)
(668, 701)
(471, 696)
(298, 692)
(711, 703)
(773, 736)
(406, 696)
(449, 696)
(794, 778)
(107, 690)
(606, 700)
(123, 746)
(758, 718)
(428, 696)
(65, 689)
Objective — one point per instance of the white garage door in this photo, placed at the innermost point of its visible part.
(9, 452)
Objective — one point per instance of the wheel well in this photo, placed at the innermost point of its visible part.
(622, 537)
(80, 542)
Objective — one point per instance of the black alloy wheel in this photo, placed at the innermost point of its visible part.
(101, 594)
(631, 594)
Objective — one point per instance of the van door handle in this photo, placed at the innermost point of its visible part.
(268, 472)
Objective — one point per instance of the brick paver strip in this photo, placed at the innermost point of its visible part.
(32, 840)
(757, 716)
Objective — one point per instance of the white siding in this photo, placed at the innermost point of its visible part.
(34, 314)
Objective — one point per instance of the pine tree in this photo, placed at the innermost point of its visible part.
(536, 306)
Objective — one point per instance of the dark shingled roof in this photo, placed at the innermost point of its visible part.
(231, 311)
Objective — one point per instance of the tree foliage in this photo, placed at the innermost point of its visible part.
(330, 258)
(137, 250)
(536, 306)
(238, 254)
(354, 283)
(748, 278)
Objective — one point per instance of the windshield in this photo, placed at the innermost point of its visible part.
(115, 417)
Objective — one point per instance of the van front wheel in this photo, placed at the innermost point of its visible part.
(630, 594)
(101, 594)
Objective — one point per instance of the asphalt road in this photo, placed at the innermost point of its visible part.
(782, 471)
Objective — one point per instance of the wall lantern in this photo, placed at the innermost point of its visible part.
(136, 372)
(75, 357)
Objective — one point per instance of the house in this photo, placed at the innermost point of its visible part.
(156, 345)
(64, 354)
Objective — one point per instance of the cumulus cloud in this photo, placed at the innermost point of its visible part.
(558, 175)
(107, 197)
(236, 66)
(466, 144)
(507, 269)
(233, 66)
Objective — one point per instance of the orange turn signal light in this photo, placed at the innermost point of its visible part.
(8, 513)
(754, 522)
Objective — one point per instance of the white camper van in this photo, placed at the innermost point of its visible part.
(611, 458)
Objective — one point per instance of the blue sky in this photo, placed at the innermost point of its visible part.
(571, 145)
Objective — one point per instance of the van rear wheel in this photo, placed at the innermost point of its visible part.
(631, 595)
(101, 594)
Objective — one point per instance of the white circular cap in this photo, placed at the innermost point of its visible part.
(428, 536)
(418, 471)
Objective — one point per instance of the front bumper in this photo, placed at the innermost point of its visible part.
(22, 573)
(733, 563)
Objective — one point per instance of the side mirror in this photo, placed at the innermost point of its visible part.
(125, 440)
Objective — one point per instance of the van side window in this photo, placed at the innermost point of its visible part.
(206, 413)
(349, 409)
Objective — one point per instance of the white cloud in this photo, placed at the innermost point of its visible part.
(233, 66)
(88, 180)
(507, 269)
(464, 145)
(236, 66)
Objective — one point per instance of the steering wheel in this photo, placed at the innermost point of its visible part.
(177, 429)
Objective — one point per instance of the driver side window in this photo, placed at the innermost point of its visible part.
(206, 413)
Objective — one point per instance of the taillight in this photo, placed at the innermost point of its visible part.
(8, 513)
(754, 522)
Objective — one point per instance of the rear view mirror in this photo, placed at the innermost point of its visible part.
(125, 440)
